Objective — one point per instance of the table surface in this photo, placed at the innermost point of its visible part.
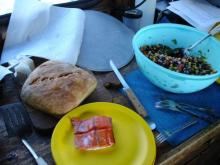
(13, 152)
(203, 148)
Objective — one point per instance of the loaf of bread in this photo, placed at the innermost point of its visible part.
(56, 87)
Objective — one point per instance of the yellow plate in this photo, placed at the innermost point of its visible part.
(134, 141)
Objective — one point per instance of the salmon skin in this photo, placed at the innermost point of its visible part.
(93, 133)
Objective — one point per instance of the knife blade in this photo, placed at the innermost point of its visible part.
(132, 97)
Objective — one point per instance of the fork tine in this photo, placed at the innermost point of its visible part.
(160, 138)
(164, 104)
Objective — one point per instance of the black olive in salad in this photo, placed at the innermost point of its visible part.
(174, 60)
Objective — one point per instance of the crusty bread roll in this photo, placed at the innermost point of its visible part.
(56, 87)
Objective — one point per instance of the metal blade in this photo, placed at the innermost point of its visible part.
(126, 86)
(118, 74)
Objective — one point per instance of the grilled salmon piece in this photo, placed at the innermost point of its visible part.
(105, 137)
(94, 133)
(101, 122)
(86, 141)
(82, 126)
(95, 139)
(96, 122)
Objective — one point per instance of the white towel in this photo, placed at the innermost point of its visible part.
(42, 30)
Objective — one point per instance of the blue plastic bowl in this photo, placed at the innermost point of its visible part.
(175, 36)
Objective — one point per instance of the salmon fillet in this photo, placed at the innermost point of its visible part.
(96, 122)
(94, 133)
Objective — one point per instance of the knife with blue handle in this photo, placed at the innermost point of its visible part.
(130, 94)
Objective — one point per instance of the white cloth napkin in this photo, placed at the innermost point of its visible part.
(42, 30)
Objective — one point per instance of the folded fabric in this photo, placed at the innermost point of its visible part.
(43, 30)
(166, 120)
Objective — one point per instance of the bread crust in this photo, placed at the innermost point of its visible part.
(56, 87)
